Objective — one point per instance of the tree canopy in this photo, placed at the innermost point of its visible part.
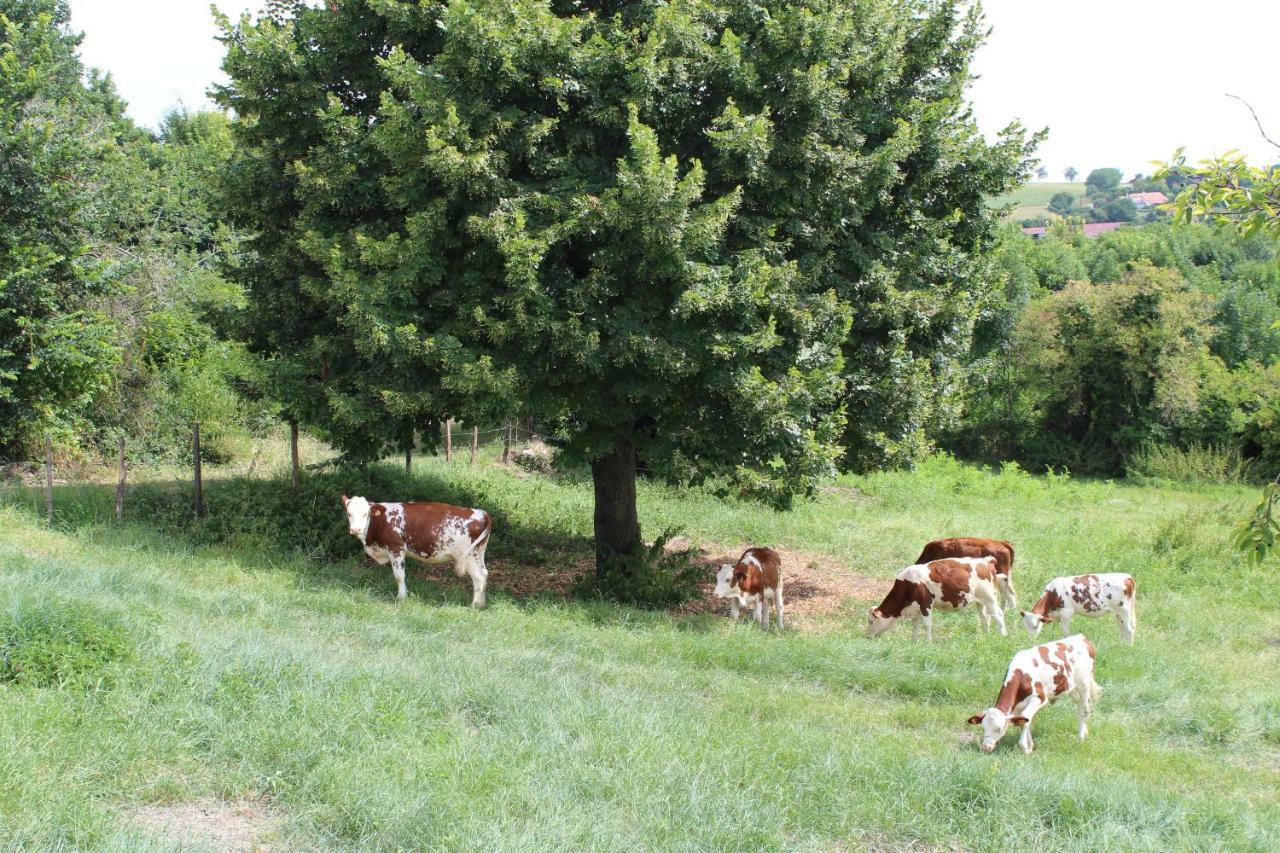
(699, 235)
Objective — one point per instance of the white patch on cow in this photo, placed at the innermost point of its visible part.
(358, 518)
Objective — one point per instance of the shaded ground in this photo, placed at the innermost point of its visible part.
(816, 587)
(243, 825)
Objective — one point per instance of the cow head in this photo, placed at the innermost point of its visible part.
(877, 622)
(359, 511)
(725, 581)
(994, 724)
(1032, 622)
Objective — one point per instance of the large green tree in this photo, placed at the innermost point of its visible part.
(56, 349)
(692, 234)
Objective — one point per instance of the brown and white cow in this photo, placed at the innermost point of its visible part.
(949, 584)
(755, 581)
(975, 546)
(1037, 677)
(1086, 595)
(430, 532)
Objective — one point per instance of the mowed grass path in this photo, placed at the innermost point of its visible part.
(539, 724)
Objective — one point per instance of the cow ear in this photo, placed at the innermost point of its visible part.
(345, 500)
(377, 510)
(976, 719)
(1019, 721)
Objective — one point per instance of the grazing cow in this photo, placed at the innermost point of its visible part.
(1085, 595)
(973, 546)
(754, 581)
(949, 584)
(1037, 677)
(430, 532)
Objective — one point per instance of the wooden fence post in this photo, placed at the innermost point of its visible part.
(124, 473)
(448, 440)
(293, 452)
(506, 442)
(48, 478)
(195, 452)
(475, 443)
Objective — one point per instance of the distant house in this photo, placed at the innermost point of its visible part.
(1091, 229)
(1144, 200)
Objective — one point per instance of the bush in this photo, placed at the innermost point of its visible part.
(1198, 464)
(52, 643)
(653, 579)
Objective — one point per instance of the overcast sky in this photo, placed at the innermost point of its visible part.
(1117, 82)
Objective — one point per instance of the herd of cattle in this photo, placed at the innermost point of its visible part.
(949, 574)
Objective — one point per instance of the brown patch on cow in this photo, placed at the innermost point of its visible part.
(953, 578)
(242, 825)
(1093, 653)
(422, 524)
(1044, 653)
(1049, 603)
(985, 570)
(1015, 689)
(1085, 591)
(970, 546)
(754, 579)
(1129, 587)
(1040, 691)
(902, 595)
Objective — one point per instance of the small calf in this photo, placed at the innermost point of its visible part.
(975, 546)
(949, 584)
(1085, 595)
(1037, 677)
(755, 581)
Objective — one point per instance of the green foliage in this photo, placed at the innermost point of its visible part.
(1071, 173)
(56, 346)
(56, 642)
(1061, 203)
(618, 223)
(654, 578)
(1227, 189)
(1257, 534)
(1207, 463)
(1103, 180)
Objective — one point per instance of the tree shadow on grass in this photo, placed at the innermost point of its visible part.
(268, 524)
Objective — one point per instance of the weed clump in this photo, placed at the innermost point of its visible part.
(53, 643)
(654, 578)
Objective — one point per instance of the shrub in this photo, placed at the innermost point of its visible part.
(655, 578)
(53, 643)
(1197, 464)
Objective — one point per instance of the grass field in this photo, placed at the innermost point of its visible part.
(245, 690)
(1032, 199)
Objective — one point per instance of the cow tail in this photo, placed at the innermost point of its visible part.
(483, 537)
(1009, 545)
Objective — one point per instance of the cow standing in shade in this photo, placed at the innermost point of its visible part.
(950, 584)
(1086, 595)
(755, 581)
(430, 532)
(1037, 677)
(974, 546)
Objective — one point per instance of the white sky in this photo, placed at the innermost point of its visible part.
(1118, 82)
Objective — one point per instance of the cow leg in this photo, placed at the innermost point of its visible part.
(1066, 625)
(984, 618)
(1084, 705)
(1026, 743)
(733, 608)
(762, 611)
(927, 619)
(1008, 598)
(1128, 622)
(777, 603)
(998, 614)
(479, 577)
(397, 569)
(915, 629)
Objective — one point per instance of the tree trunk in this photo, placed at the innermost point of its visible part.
(408, 460)
(293, 452)
(617, 524)
(448, 440)
(506, 441)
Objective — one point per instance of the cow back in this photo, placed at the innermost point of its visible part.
(970, 546)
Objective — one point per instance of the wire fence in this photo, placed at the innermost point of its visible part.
(36, 476)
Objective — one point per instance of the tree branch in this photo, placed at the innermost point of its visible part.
(1256, 120)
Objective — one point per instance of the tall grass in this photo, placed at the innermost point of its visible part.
(260, 671)
(1157, 463)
